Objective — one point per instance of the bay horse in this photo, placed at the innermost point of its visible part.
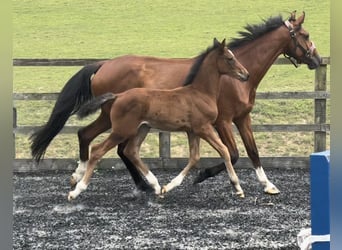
(257, 49)
(191, 108)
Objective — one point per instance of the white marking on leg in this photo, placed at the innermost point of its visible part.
(238, 189)
(79, 171)
(235, 181)
(80, 187)
(269, 187)
(153, 181)
(174, 183)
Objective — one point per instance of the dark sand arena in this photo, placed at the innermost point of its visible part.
(110, 215)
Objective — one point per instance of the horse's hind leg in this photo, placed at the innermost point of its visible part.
(245, 129)
(140, 183)
(132, 153)
(85, 137)
(194, 142)
(96, 153)
(208, 133)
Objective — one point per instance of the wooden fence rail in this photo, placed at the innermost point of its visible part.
(320, 127)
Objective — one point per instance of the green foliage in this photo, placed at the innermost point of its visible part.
(107, 28)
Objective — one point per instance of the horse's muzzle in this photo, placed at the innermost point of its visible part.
(315, 62)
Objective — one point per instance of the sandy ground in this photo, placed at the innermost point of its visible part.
(111, 215)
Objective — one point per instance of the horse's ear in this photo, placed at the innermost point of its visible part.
(293, 16)
(216, 42)
(300, 19)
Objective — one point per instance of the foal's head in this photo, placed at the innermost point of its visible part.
(301, 48)
(227, 62)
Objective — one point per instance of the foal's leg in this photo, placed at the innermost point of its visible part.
(139, 181)
(208, 133)
(194, 142)
(85, 136)
(132, 152)
(225, 131)
(97, 151)
(245, 129)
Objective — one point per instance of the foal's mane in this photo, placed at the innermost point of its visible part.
(254, 31)
(196, 66)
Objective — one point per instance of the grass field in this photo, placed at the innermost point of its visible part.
(106, 29)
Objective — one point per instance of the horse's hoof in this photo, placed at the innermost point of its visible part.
(201, 177)
(145, 188)
(70, 197)
(272, 190)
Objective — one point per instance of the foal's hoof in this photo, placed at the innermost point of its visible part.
(163, 190)
(73, 182)
(240, 194)
(161, 193)
(272, 190)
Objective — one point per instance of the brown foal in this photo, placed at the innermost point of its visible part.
(191, 108)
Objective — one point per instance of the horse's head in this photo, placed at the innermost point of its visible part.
(300, 49)
(228, 64)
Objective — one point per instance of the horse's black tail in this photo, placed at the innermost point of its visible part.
(75, 93)
(93, 105)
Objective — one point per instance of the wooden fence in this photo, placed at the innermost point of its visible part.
(319, 127)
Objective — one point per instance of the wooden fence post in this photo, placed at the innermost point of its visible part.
(164, 146)
(14, 126)
(320, 108)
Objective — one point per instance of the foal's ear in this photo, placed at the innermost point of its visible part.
(223, 43)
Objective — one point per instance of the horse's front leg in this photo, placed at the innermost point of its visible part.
(225, 131)
(85, 136)
(78, 173)
(97, 151)
(245, 128)
(194, 142)
(131, 151)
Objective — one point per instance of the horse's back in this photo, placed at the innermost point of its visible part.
(130, 71)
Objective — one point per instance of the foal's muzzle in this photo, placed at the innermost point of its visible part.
(244, 76)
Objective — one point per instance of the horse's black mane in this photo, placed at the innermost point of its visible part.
(253, 31)
(196, 66)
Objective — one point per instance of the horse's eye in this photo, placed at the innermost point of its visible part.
(306, 36)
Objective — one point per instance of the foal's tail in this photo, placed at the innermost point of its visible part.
(73, 95)
(93, 105)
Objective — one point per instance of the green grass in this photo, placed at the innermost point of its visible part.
(106, 29)
(62, 28)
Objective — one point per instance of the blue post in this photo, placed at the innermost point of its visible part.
(320, 216)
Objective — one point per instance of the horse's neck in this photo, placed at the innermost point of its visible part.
(259, 55)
